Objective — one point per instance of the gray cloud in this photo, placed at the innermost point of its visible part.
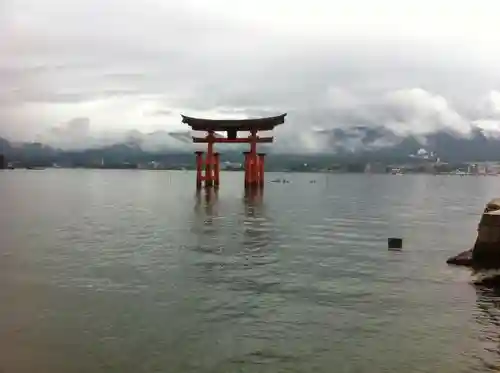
(129, 65)
(161, 112)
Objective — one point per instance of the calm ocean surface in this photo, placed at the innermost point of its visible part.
(127, 271)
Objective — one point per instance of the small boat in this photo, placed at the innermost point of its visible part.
(283, 181)
(35, 168)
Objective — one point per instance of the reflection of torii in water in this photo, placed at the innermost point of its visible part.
(207, 203)
(252, 199)
(257, 227)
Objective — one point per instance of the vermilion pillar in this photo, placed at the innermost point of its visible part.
(209, 175)
(256, 170)
(262, 157)
(216, 169)
(253, 160)
(252, 170)
(199, 169)
(246, 166)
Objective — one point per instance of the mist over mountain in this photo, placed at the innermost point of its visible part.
(380, 143)
(391, 126)
(353, 143)
(341, 121)
(77, 135)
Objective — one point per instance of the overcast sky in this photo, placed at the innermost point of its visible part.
(112, 65)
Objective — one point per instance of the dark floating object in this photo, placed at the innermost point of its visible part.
(395, 243)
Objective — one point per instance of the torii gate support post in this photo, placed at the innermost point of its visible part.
(257, 171)
(252, 170)
(246, 167)
(209, 175)
(199, 169)
(216, 165)
(254, 166)
(262, 157)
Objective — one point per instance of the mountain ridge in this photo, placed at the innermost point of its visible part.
(356, 143)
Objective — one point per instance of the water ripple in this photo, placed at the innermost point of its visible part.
(105, 271)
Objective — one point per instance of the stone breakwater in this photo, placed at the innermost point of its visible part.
(486, 251)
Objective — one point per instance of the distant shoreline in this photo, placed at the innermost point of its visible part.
(336, 172)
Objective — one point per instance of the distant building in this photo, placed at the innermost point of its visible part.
(494, 169)
(396, 171)
(153, 165)
(231, 166)
(3, 163)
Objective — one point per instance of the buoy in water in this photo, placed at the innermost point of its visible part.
(395, 243)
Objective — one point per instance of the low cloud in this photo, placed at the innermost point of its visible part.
(394, 115)
(135, 66)
(354, 120)
(160, 113)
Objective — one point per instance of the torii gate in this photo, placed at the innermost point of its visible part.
(207, 168)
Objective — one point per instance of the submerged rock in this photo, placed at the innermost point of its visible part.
(486, 250)
(488, 281)
(462, 259)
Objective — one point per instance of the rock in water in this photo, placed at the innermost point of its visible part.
(486, 250)
(462, 259)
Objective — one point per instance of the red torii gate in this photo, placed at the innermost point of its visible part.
(254, 162)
